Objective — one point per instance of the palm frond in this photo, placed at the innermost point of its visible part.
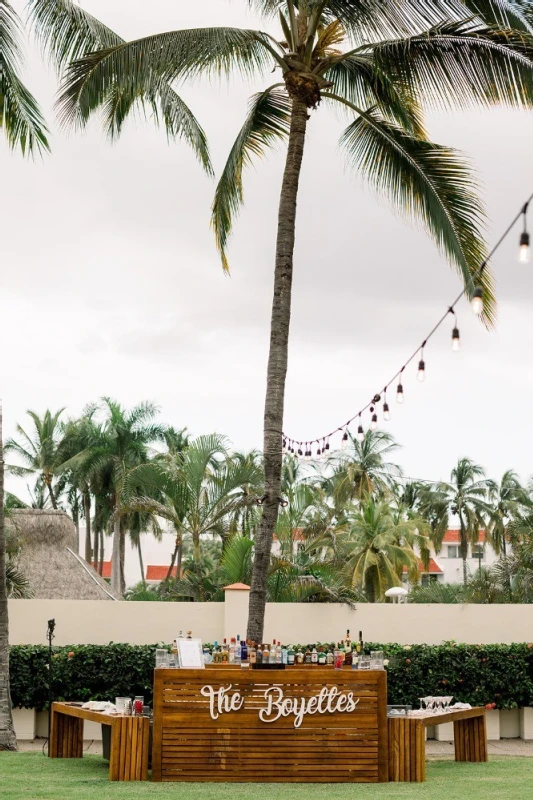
(20, 116)
(461, 64)
(430, 183)
(138, 69)
(267, 122)
(504, 13)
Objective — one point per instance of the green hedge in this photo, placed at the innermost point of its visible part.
(476, 674)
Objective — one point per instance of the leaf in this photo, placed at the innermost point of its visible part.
(267, 122)
(20, 116)
(429, 183)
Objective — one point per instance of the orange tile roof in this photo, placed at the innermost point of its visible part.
(106, 568)
(297, 535)
(453, 537)
(158, 572)
(434, 568)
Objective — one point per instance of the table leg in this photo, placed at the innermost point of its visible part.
(66, 736)
(129, 749)
(470, 736)
(407, 750)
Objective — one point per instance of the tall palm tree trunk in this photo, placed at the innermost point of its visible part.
(141, 563)
(463, 548)
(122, 559)
(102, 554)
(89, 555)
(8, 739)
(48, 482)
(116, 554)
(277, 368)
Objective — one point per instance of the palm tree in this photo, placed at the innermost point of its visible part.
(380, 63)
(200, 491)
(121, 443)
(505, 499)
(363, 469)
(377, 548)
(20, 117)
(465, 497)
(8, 739)
(41, 451)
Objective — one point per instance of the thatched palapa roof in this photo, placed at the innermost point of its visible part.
(49, 557)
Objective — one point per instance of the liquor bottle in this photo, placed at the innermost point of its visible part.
(348, 656)
(216, 655)
(252, 654)
(266, 654)
(244, 651)
(307, 658)
(278, 653)
(291, 656)
(347, 641)
(341, 651)
(272, 655)
(360, 644)
(314, 655)
(329, 657)
(284, 655)
(225, 652)
(238, 650)
(300, 658)
(231, 651)
(189, 634)
(259, 654)
(321, 657)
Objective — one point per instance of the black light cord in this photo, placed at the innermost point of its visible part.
(290, 442)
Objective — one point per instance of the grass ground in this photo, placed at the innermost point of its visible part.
(31, 776)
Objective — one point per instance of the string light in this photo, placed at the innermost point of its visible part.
(360, 432)
(477, 300)
(421, 374)
(477, 305)
(525, 252)
(374, 420)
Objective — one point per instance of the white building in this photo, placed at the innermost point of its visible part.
(446, 566)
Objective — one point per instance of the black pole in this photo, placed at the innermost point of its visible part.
(50, 636)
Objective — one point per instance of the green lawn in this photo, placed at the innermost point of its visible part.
(32, 776)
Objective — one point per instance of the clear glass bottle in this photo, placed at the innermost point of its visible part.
(266, 654)
(284, 655)
(259, 654)
(225, 653)
(278, 653)
(300, 657)
(314, 655)
(321, 657)
(307, 657)
(272, 654)
(231, 651)
(291, 656)
(238, 650)
(330, 658)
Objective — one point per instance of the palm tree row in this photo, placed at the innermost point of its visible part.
(349, 527)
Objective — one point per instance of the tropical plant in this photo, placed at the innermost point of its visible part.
(39, 451)
(377, 549)
(506, 499)
(435, 592)
(120, 444)
(465, 497)
(20, 117)
(17, 584)
(378, 62)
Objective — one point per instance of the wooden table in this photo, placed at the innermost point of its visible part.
(129, 740)
(407, 745)
(326, 726)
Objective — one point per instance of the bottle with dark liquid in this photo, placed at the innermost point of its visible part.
(259, 654)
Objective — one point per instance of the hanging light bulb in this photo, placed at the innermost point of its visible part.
(399, 394)
(386, 411)
(374, 422)
(525, 252)
(456, 340)
(360, 431)
(300, 454)
(421, 374)
(344, 443)
(477, 301)
(326, 448)
(285, 445)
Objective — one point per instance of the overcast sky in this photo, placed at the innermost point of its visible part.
(111, 283)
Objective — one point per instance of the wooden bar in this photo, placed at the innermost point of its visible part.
(217, 725)
(130, 738)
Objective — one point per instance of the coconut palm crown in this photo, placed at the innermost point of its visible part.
(380, 62)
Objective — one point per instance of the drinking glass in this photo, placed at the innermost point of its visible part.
(376, 659)
(138, 704)
(161, 658)
(120, 703)
(364, 662)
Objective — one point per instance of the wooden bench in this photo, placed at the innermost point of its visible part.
(407, 741)
(129, 739)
